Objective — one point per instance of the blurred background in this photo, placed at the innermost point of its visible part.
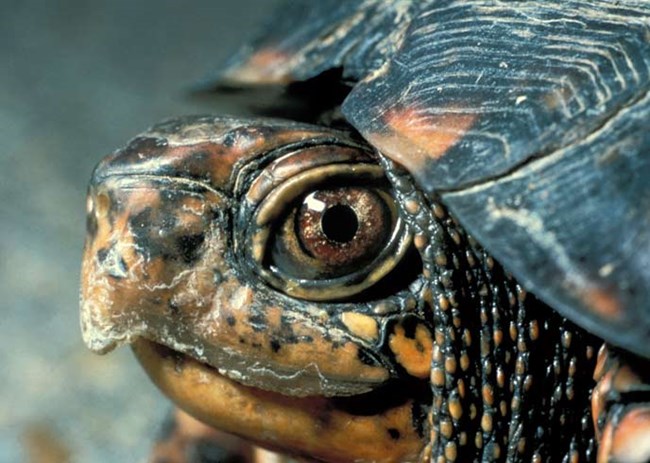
(79, 78)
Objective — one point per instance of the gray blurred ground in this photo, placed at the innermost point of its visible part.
(77, 79)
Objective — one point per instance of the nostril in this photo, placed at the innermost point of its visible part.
(112, 263)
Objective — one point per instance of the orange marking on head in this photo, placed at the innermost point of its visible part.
(414, 354)
(361, 325)
(415, 138)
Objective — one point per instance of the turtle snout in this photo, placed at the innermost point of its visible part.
(147, 237)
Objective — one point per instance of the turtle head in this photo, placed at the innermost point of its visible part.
(266, 279)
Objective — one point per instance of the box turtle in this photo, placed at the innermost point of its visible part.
(444, 257)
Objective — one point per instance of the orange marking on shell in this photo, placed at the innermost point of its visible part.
(413, 139)
(266, 66)
(603, 303)
(414, 354)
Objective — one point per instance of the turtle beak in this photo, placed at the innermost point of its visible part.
(145, 233)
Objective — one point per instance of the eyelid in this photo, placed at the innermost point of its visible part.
(278, 190)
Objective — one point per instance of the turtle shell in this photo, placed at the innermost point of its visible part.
(527, 119)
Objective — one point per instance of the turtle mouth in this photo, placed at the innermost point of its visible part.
(208, 369)
(328, 428)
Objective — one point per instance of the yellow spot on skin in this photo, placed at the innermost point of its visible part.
(486, 423)
(420, 241)
(437, 377)
(413, 139)
(501, 377)
(534, 330)
(411, 206)
(450, 365)
(498, 337)
(521, 445)
(450, 451)
(413, 354)
(455, 410)
(361, 325)
(461, 388)
(467, 338)
(446, 428)
(488, 394)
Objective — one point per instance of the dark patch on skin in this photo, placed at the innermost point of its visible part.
(101, 255)
(153, 233)
(179, 363)
(324, 417)
(173, 308)
(393, 433)
(208, 451)
(242, 340)
(258, 322)
(275, 345)
(188, 247)
(175, 356)
(231, 320)
(229, 139)
(391, 395)
(419, 413)
(141, 220)
(365, 358)
(409, 324)
(91, 227)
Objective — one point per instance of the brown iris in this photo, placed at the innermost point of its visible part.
(343, 226)
(334, 232)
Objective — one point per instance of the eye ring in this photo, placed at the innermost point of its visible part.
(279, 201)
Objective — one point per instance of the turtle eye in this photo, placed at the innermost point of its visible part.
(327, 233)
(333, 232)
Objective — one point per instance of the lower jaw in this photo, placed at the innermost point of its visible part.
(307, 426)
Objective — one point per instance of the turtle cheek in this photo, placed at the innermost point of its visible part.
(146, 254)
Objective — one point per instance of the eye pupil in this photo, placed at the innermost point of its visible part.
(340, 223)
